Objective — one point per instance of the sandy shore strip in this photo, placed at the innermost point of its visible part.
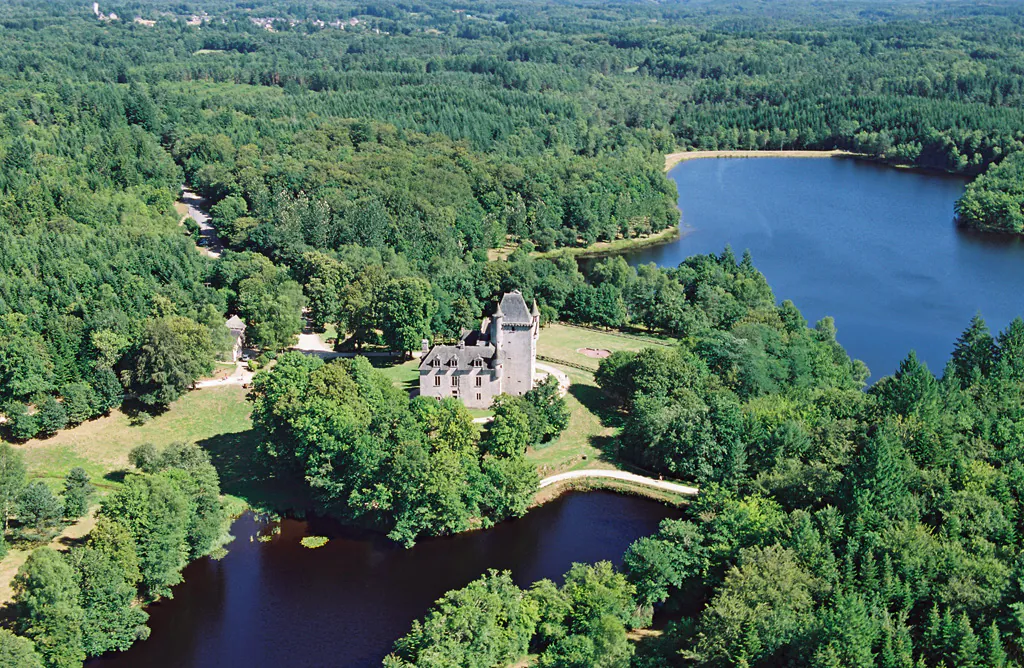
(673, 159)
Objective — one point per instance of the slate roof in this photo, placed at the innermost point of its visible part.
(235, 323)
(513, 306)
(463, 355)
(477, 344)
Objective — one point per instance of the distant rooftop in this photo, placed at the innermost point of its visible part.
(234, 322)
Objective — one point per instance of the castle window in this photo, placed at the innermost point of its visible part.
(455, 381)
(478, 396)
(479, 381)
(437, 381)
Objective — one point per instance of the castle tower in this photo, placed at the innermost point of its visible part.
(516, 340)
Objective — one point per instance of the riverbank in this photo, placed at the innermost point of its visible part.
(673, 159)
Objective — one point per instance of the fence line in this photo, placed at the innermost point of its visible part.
(574, 365)
(613, 332)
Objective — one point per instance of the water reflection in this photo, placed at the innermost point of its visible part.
(279, 604)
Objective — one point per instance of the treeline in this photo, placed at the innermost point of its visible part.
(85, 602)
(492, 622)
(994, 202)
(878, 529)
(411, 468)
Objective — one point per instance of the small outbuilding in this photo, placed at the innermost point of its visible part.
(236, 326)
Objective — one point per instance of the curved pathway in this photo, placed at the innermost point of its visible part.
(240, 376)
(560, 376)
(685, 490)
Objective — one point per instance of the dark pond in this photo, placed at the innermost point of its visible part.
(281, 605)
(872, 246)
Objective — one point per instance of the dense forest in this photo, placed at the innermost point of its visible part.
(362, 162)
(333, 139)
(834, 527)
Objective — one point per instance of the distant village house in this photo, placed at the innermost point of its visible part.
(498, 358)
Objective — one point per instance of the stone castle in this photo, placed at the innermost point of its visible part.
(498, 358)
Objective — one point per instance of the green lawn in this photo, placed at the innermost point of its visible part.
(587, 442)
(405, 375)
(101, 446)
(590, 439)
(563, 341)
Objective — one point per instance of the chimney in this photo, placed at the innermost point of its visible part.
(426, 346)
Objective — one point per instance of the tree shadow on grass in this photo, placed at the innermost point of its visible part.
(139, 413)
(116, 476)
(386, 363)
(244, 474)
(597, 402)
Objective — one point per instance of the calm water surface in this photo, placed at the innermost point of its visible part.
(281, 605)
(873, 246)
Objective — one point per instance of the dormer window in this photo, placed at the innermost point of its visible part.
(453, 362)
(478, 362)
(435, 363)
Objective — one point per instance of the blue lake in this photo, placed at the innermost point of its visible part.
(873, 246)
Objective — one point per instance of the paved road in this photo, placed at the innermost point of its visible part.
(197, 212)
(620, 475)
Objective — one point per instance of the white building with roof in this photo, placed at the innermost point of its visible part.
(236, 326)
(498, 358)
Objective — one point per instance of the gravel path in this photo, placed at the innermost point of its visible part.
(563, 380)
(240, 376)
(620, 475)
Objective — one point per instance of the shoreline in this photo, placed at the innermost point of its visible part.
(616, 247)
(602, 249)
(554, 491)
(673, 159)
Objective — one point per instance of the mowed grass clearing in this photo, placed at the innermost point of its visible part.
(562, 342)
(590, 440)
(101, 446)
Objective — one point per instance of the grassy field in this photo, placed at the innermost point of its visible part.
(101, 446)
(563, 341)
(590, 439)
